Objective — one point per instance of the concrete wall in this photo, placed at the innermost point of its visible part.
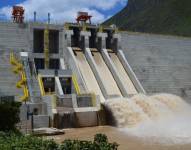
(161, 63)
(13, 36)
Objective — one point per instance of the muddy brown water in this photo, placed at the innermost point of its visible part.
(125, 141)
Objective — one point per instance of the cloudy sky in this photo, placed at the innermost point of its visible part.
(63, 10)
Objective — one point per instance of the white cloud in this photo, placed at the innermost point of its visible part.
(64, 10)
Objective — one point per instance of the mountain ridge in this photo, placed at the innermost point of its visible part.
(155, 16)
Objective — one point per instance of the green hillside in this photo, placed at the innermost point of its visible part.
(155, 16)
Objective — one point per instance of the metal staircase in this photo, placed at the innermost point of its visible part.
(28, 77)
(32, 83)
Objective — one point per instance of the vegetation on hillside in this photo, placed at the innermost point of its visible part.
(155, 16)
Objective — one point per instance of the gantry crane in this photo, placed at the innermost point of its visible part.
(83, 17)
(18, 14)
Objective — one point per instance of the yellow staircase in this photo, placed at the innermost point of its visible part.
(22, 83)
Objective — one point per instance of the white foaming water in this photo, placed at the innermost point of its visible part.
(123, 112)
(169, 123)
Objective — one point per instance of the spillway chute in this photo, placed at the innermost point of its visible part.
(103, 74)
(87, 75)
(121, 76)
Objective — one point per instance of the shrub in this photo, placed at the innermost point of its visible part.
(12, 141)
(100, 143)
(100, 138)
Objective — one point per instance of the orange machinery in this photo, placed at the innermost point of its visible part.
(18, 14)
(83, 17)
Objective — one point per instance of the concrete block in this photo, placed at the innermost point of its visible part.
(41, 121)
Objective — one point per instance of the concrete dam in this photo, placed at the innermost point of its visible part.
(79, 76)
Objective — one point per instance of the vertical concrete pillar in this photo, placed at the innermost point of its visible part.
(68, 37)
(116, 41)
(84, 37)
(61, 41)
(101, 40)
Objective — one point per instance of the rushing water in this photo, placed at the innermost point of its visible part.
(165, 118)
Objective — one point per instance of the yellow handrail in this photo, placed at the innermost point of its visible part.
(76, 85)
(41, 85)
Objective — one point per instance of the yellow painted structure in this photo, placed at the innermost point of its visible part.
(76, 85)
(46, 48)
(42, 91)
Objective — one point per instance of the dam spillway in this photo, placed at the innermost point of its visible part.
(71, 83)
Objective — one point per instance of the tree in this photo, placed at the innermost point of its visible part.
(9, 114)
